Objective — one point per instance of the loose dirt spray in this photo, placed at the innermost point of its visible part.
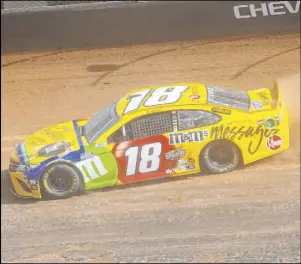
(290, 96)
(290, 90)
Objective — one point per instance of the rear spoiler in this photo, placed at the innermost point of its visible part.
(275, 93)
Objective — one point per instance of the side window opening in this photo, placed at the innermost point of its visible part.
(119, 136)
(189, 119)
(145, 126)
(152, 125)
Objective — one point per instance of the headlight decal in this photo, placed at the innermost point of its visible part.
(22, 154)
(54, 149)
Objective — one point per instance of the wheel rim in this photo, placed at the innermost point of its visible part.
(59, 183)
(221, 156)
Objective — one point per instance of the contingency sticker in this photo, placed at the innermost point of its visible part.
(175, 154)
(274, 142)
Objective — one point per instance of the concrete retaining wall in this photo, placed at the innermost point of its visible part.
(148, 22)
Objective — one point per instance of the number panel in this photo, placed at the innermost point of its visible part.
(165, 95)
(158, 96)
(135, 100)
(143, 157)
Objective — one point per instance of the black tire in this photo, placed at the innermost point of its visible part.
(60, 181)
(220, 157)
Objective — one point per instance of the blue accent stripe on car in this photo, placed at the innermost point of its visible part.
(24, 152)
(21, 151)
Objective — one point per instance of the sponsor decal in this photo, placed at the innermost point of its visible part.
(190, 167)
(31, 167)
(246, 11)
(185, 165)
(238, 133)
(33, 184)
(270, 122)
(99, 145)
(175, 154)
(274, 142)
(194, 97)
(22, 168)
(26, 169)
(257, 105)
(91, 167)
(265, 98)
(171, 172)
(182, 165)
(179, 138)
(221, 110)
(86, 155)
(191, 161)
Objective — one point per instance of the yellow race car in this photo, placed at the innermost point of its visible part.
(151, 133)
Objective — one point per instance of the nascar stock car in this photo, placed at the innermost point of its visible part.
(150, 133)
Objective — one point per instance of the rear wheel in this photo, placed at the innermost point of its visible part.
(219, 157)
(60, 181)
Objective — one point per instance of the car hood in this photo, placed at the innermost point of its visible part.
(27, 151)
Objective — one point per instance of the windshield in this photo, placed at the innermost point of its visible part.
(100, 122)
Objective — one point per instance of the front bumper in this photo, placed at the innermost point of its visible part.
(21, 187)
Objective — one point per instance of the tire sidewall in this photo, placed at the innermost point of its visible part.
(208, 166)
(68, 171)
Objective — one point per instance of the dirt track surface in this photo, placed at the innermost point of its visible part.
(250, 215)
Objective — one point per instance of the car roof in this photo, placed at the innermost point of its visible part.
(195, 94)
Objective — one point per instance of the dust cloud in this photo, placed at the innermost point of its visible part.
(290, 92)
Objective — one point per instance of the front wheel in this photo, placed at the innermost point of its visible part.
(60, 181)
(219, 157)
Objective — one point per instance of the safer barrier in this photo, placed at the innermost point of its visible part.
(149, 22)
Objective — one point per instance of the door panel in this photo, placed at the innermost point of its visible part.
(98, 167)
(143, 159)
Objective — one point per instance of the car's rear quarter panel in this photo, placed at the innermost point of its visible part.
(247, 131)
